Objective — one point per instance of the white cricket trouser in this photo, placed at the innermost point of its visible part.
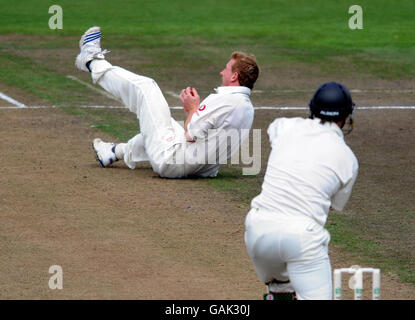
(293, 249)
(161, 138)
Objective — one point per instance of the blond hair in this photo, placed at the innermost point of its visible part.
(247, 68)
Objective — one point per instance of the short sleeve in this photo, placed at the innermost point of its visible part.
(274, 129)
(203, 120)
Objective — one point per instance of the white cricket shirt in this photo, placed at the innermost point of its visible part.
(219, 126)
(310, 168)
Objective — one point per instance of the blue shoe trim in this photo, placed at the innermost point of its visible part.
(94, 37)
(91, 39)
(92, 34)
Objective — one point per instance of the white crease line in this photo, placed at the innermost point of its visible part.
(383, 90)
(358, 108)
(306, 108)
(386, 107)
(351, 90)
(28, 107)
(90, 86)
(11, 100)
(171, 93)
(103, 107)
(279, 108)
(256, 108)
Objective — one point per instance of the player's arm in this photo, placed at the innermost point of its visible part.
(190, 101)
(201, 120)
(339, 200)
(189, 117)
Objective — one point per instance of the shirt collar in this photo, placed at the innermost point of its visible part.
(331, 125)
(233, 89)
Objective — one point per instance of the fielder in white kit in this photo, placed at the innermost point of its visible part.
(310, 169)
(174, 151)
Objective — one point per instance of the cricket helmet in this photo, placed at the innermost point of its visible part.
(332, 102)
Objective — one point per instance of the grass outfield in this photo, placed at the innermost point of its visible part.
(301, 30)
(181, 42)
(319, 24)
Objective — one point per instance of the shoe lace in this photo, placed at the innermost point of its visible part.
(100, 54)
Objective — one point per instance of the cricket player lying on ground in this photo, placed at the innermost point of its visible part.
(174, 151)
(310, 168)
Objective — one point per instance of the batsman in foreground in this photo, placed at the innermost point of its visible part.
(174, 151)
(310, 169)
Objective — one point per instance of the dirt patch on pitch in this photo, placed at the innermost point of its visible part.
(116, 233)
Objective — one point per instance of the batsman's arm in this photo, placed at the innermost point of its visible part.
(340, 199)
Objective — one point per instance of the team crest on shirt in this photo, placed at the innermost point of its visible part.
(201, 108)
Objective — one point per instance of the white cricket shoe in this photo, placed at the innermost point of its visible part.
(90, 45)
(105, 152)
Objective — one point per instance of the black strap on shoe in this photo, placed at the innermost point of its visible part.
(87, 65)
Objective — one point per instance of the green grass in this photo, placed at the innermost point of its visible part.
(312, 31)
(321, 22)
(39, 80)
(345, 236)
(118, 124)
(244, 187)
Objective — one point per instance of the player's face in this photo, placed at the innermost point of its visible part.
(227, 74)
